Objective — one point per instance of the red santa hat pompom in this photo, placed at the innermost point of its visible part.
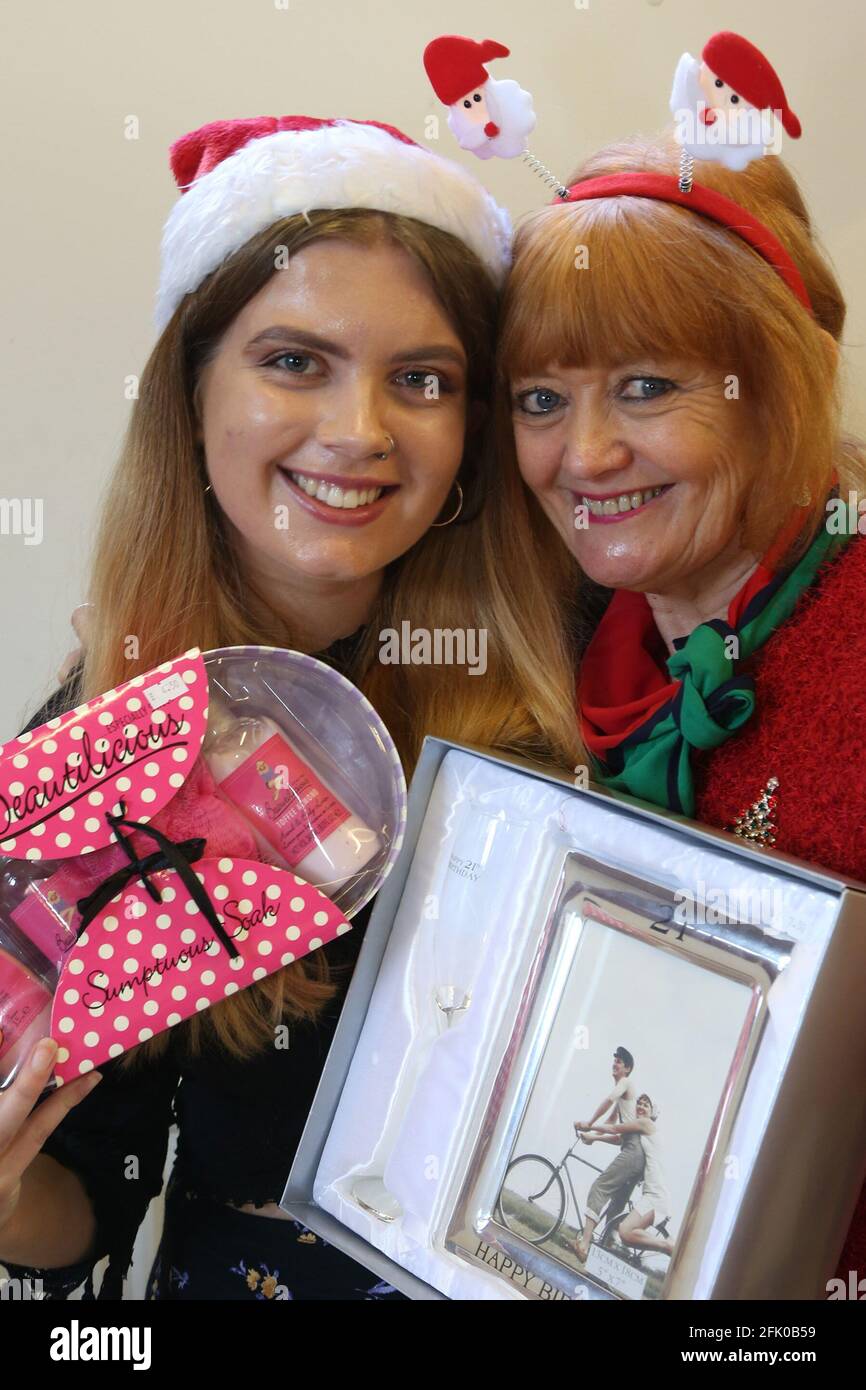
(745, 68)
(239, 177)
(455, 65)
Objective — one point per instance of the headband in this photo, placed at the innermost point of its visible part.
(667, 188)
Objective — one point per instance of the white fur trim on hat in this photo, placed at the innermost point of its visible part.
(347, 165)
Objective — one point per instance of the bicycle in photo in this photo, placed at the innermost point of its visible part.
(533, 1203)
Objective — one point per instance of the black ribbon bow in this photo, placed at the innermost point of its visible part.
(171, 854)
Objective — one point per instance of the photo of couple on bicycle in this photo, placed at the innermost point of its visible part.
(611, 1142)
(627, 1210)
(630, 1123)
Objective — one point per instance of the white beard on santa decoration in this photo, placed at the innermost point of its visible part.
(510, 107)
(738, 135)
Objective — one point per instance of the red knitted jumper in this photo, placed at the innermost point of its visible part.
(809, 731)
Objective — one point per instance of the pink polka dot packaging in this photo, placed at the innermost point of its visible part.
(179, 838)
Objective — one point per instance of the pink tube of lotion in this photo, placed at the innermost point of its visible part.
(313, 833)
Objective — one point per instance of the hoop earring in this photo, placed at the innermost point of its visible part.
(200, 454)
(391, 447)
(457, 512)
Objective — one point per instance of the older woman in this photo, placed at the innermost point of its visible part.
(671, 360)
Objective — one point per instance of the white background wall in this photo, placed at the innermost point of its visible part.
(84, 206)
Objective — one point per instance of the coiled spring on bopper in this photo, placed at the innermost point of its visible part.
(687, 171)
(544, 173)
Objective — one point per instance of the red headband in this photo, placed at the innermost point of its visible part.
(666, 188)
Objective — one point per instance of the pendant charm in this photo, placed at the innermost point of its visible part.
(756, 822)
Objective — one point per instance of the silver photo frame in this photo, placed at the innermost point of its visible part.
(614, 953)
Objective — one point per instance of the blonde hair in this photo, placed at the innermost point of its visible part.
(164, 570)
(667, 282)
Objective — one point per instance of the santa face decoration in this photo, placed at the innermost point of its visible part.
(730, 106)
(489, 116)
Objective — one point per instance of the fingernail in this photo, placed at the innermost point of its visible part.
(43, 1054)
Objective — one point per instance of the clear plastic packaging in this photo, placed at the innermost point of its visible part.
(38, 918)
(242, 805)
(299, 751)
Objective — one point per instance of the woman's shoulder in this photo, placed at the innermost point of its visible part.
(807, 734)
(828, 621)
(840, 583)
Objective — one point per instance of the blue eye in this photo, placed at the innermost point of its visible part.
(425, 381)
(650, 388)
(539, 401)
(299, 362)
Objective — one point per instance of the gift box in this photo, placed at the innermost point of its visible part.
(475, 1110)
(180, 838)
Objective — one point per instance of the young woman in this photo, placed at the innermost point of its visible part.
(675, 408)
(653, 1205)
(303, 469)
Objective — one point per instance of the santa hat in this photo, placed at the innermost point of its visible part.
(455, 65)
(239, 177)
(752, 76)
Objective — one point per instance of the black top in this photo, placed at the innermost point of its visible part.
(239, 1121)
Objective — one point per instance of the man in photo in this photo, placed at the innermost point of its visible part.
(615, 1185)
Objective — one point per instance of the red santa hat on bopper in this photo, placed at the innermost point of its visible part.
(743, 66)
(239, 177)
(455, 65)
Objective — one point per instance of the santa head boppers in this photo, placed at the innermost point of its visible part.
(238, 177)
(726, 105)
(487, 115)
(726, 108)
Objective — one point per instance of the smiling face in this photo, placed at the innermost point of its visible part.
(347, 346)
(642, 468)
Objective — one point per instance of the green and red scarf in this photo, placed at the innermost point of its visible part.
(643, 710)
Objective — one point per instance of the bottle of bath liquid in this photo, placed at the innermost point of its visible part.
(47, 912)
(25, 1012)
(289, 806)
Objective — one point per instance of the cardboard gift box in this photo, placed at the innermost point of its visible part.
(477, 1132)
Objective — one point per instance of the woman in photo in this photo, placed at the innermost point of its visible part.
(303, 469)
(653, 1205)
(673, 396)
